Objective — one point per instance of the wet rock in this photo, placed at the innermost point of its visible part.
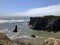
(15, 30)
(33, 36)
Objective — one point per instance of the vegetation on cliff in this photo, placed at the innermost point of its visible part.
(46, 23)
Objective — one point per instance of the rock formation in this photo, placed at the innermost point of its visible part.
(3, 37)
(33, 36)
(4, 40)
(48, 23)
(15, 30)
(51, 41)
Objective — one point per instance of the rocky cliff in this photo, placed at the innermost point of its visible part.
(48, 23)
(4, 40)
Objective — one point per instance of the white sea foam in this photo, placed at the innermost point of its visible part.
(13, 35)
(10, 21)
(17, 35)
(4, 31)
(21, 36)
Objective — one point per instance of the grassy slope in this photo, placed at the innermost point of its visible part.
(46, 34)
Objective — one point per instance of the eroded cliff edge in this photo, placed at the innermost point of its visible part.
(46, 23)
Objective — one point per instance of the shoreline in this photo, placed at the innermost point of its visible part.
(25, 40)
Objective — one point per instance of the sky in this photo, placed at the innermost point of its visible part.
(29, 7)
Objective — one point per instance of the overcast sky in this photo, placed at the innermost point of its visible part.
(29, 7)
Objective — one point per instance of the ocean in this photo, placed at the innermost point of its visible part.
(7, 25)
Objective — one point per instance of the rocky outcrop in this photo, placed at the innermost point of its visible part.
(3, 37)
(38, 22)
(33, 36)
(49, 23)
(4, 40)
(15, 30)
(51, 41)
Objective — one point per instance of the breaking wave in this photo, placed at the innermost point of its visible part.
(11, 21)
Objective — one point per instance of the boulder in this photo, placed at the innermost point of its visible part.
(33, 36)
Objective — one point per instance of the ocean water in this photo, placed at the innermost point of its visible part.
(7, 25)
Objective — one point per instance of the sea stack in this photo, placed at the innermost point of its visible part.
(15, 30)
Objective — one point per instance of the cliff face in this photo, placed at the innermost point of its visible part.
(49, 23)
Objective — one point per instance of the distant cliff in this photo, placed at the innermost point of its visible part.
(46, 23)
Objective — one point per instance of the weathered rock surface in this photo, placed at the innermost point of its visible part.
(51, 41)
(49, 23)
(3, 37)
(4, 40)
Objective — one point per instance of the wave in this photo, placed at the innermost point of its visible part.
(11, 21)
(17, 35)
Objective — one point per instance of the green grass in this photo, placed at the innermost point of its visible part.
(46, 34)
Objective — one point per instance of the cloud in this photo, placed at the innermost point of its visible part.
(49, 10)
